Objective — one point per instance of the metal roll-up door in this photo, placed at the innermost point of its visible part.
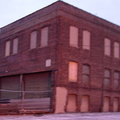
(28, 93)
(9, 95)
(8, 85)
(39, 84)
(37, 94)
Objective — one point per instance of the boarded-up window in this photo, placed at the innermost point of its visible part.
(116, 79)
(15, 46)
(33, 40)
(61, 98)
(71, 104)
(115, 104)
(85, 103)
(107, 77)
(44, 37)
(73, 71)
(9, 87)
(106, 104)
(107, 47)
(85, 74)
(7, 48)
(116, 50)
(73, 36)
(86, 40)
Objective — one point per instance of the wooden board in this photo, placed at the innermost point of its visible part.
(26, 106)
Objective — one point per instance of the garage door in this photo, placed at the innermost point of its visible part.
(39, 84)
(7, 84)
(29, 93)
(37, 93)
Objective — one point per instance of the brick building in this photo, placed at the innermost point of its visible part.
(59, 59)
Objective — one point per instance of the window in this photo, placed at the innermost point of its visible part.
(106, 104)
(86, 40)
(106, 77)
(44, 37)
(73, 71)
(85, 74)
(73, 36)
(15, 46)
(71, 104)
(116, 79)
(33, 40)
(116, 50)
(7, 48)
(107, 47)
(115, 104)
(85, 103)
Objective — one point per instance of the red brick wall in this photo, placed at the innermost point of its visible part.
(27, 61)
(61, 18)
(95, 58)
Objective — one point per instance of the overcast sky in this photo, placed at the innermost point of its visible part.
(12, 10)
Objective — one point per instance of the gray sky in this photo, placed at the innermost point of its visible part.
(12, 10)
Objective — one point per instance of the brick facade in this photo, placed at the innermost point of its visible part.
(58, 17)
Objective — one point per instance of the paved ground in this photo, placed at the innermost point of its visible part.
(72, 116)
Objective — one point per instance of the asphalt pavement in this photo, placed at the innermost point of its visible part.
(68, 116)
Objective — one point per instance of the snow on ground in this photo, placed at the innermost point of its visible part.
(70, 116)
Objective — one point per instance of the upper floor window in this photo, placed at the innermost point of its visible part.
(73, 36)
(116, 50)
(107, 47)
(73, 71)
(86, 40)
(7, 48)
(107, 76)
(33, 40)
(116, 79)
(15, 46)
(85, 74)
(44, 37)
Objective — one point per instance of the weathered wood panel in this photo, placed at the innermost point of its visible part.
(26, 106)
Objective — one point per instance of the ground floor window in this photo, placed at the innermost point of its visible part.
(71, 103)
(106, 104)
(115, 104)
(85, 100)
